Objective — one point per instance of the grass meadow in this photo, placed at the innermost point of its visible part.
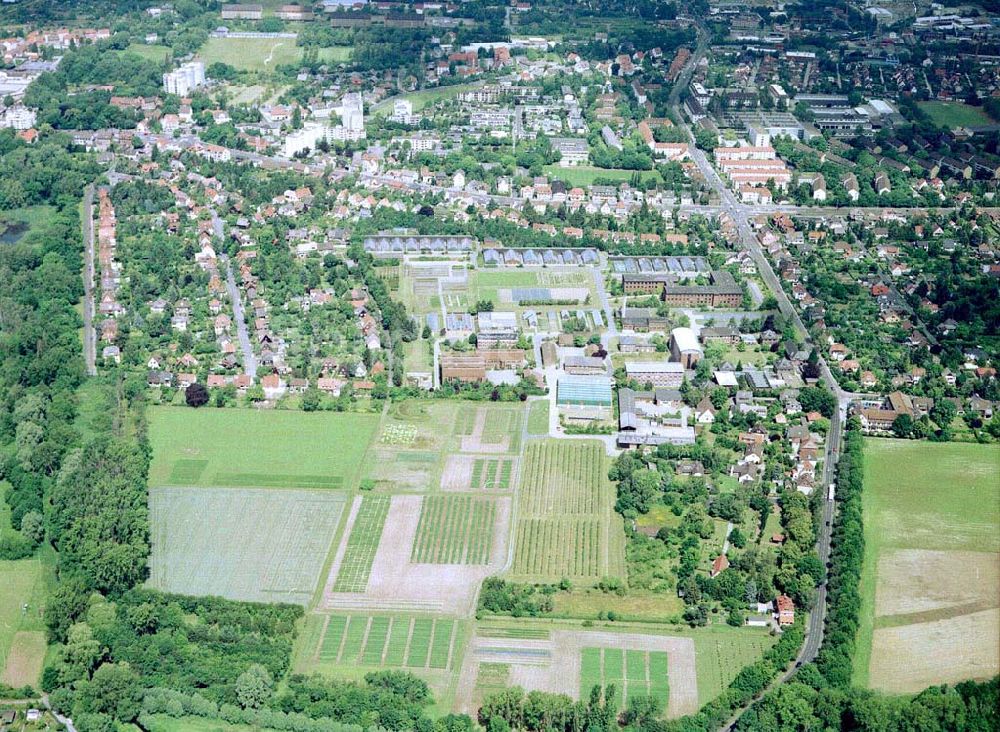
(250, 448)
(930, 583)
(262, 54)
(954, 114)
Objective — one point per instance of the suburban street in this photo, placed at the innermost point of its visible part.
(242, 334)
(89, 335)
(741, 214)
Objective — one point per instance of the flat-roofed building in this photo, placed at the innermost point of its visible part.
(669, 374)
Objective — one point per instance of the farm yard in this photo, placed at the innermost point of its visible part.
(931, 579)
(565, 525)
(289, 449)
(242, 543)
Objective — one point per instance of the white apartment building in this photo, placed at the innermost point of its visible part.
(184, 79)
(18, 118)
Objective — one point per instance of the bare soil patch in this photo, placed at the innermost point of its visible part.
(921, 580)
(457, 475)
(908, 658)
(396, 583)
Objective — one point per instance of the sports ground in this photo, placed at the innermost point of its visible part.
(931, 579)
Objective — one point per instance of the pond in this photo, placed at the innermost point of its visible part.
(12, 231)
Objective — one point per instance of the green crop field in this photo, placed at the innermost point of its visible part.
(256, 448)
(362, 545)
(24, 586)
(454, 530)
(930, 584)
(954, 114)
(565, 525)
(633, 673)
(375, 641)
(241, 543)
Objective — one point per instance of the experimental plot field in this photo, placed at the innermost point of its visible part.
(430, 556)
(633, 673)
(252, 448)
(565, 525)
(931, 579)
(572, 662)
(454, 530)
(362, 543)
(455, 446)
(241, 543)
(376, 641)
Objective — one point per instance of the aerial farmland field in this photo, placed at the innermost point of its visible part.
(931, 580)
(250, 448)
(254, 544)
(565, 525)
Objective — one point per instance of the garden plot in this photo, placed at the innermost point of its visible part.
(376, 641)
(398, 583)
(489, 430)
(478, 474)
(571, 662)
(241, 543)
(565, 525)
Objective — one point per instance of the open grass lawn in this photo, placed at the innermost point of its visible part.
(250, 54)
(585, 175)
(24, 585)
(538, 417)
(165, 723)
(954, 114)
(931, 579)
(721, 652)
(336, 54)
(150, 52)
(255, 544)
(424, 97)
(16, 222)
(245, 448)
(589, 603)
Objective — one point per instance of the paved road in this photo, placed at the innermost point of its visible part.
(249, 360)
(89, 334)
(741, 215)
